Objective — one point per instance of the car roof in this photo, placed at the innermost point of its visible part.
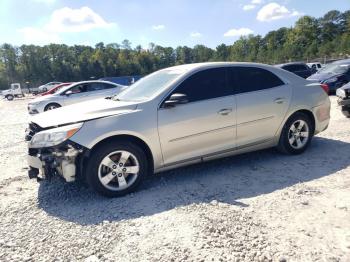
(207, 65)
(290, 63)
(344, 61)
(96, 81)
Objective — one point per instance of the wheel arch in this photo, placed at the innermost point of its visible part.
(131, 138)
(305, 111)
(51, 103)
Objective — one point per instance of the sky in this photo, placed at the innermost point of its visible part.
(163, 22)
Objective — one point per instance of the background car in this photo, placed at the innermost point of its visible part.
(335, 75)
(55, 89)
(298, 68)
(316, 66)
(344, 99)
(74, 93)
(48, 86)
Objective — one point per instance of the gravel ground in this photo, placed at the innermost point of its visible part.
(261, 206)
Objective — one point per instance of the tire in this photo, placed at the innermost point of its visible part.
(297, 141)
(51, 106)
(106, 174)
(10, 97)
(346, 111)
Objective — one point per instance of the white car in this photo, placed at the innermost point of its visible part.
(74, 93)
(315, 66)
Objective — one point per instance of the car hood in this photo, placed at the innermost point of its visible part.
(81, 112)
(320, 77)
(41, 99)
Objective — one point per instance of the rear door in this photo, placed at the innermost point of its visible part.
(262, 102)
(203, 126)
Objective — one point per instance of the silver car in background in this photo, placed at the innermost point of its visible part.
(74, 93)
(174, 117)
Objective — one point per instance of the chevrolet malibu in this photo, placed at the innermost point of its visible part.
(174, 117)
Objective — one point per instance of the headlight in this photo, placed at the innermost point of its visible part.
(331, 80)
(53, 137)
(34, 103)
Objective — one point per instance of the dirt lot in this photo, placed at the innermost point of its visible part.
(260, 206)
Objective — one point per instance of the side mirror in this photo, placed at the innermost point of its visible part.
(175, 99)
(68, 93)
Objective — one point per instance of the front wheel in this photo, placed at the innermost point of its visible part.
(10, 97)
(51, 106)
(116, 169)
(296, 134)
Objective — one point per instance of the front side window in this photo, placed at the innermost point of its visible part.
(206, 84)
(249, 79)
(79, 89)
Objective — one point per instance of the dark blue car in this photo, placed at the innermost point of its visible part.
(335, 75)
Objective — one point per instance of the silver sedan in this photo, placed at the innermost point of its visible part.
(174, 117)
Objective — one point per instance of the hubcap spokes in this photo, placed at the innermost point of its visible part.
(118, 170)
(298, 134)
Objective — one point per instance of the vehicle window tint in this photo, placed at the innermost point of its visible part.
(95, 87)
(78, 89)
(108, 86)
(295, 68)
(206, 84)
(249, 79)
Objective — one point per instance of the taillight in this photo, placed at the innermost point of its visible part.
(325, 88)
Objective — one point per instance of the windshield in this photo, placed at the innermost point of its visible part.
(148, 86)
(334, 69)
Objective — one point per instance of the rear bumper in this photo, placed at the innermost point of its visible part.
(322, 116)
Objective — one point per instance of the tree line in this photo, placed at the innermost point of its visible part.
(310, 38)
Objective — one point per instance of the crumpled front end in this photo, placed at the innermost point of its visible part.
(63, 160)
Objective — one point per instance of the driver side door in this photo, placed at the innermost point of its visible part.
(205, 125)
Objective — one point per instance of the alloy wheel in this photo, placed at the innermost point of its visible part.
(298, 134)
(118, 170)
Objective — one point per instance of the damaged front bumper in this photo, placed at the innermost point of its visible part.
(64, 160)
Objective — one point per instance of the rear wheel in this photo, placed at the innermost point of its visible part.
(51, 106)
(296, 134)
(116, 169)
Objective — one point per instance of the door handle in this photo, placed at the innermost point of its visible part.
(280, 100)
(225, 111)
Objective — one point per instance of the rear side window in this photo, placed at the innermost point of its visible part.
(295, 68)
(206, 84)
(95, 87)
(249, 79)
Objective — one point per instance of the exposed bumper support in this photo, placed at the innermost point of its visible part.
(54, 161)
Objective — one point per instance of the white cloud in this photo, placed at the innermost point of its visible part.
(75, 20)
(238, 32)
(158, 27)
(274, 11)
(252, 5)
(64, 20)
(248, 7)
(196, 34)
